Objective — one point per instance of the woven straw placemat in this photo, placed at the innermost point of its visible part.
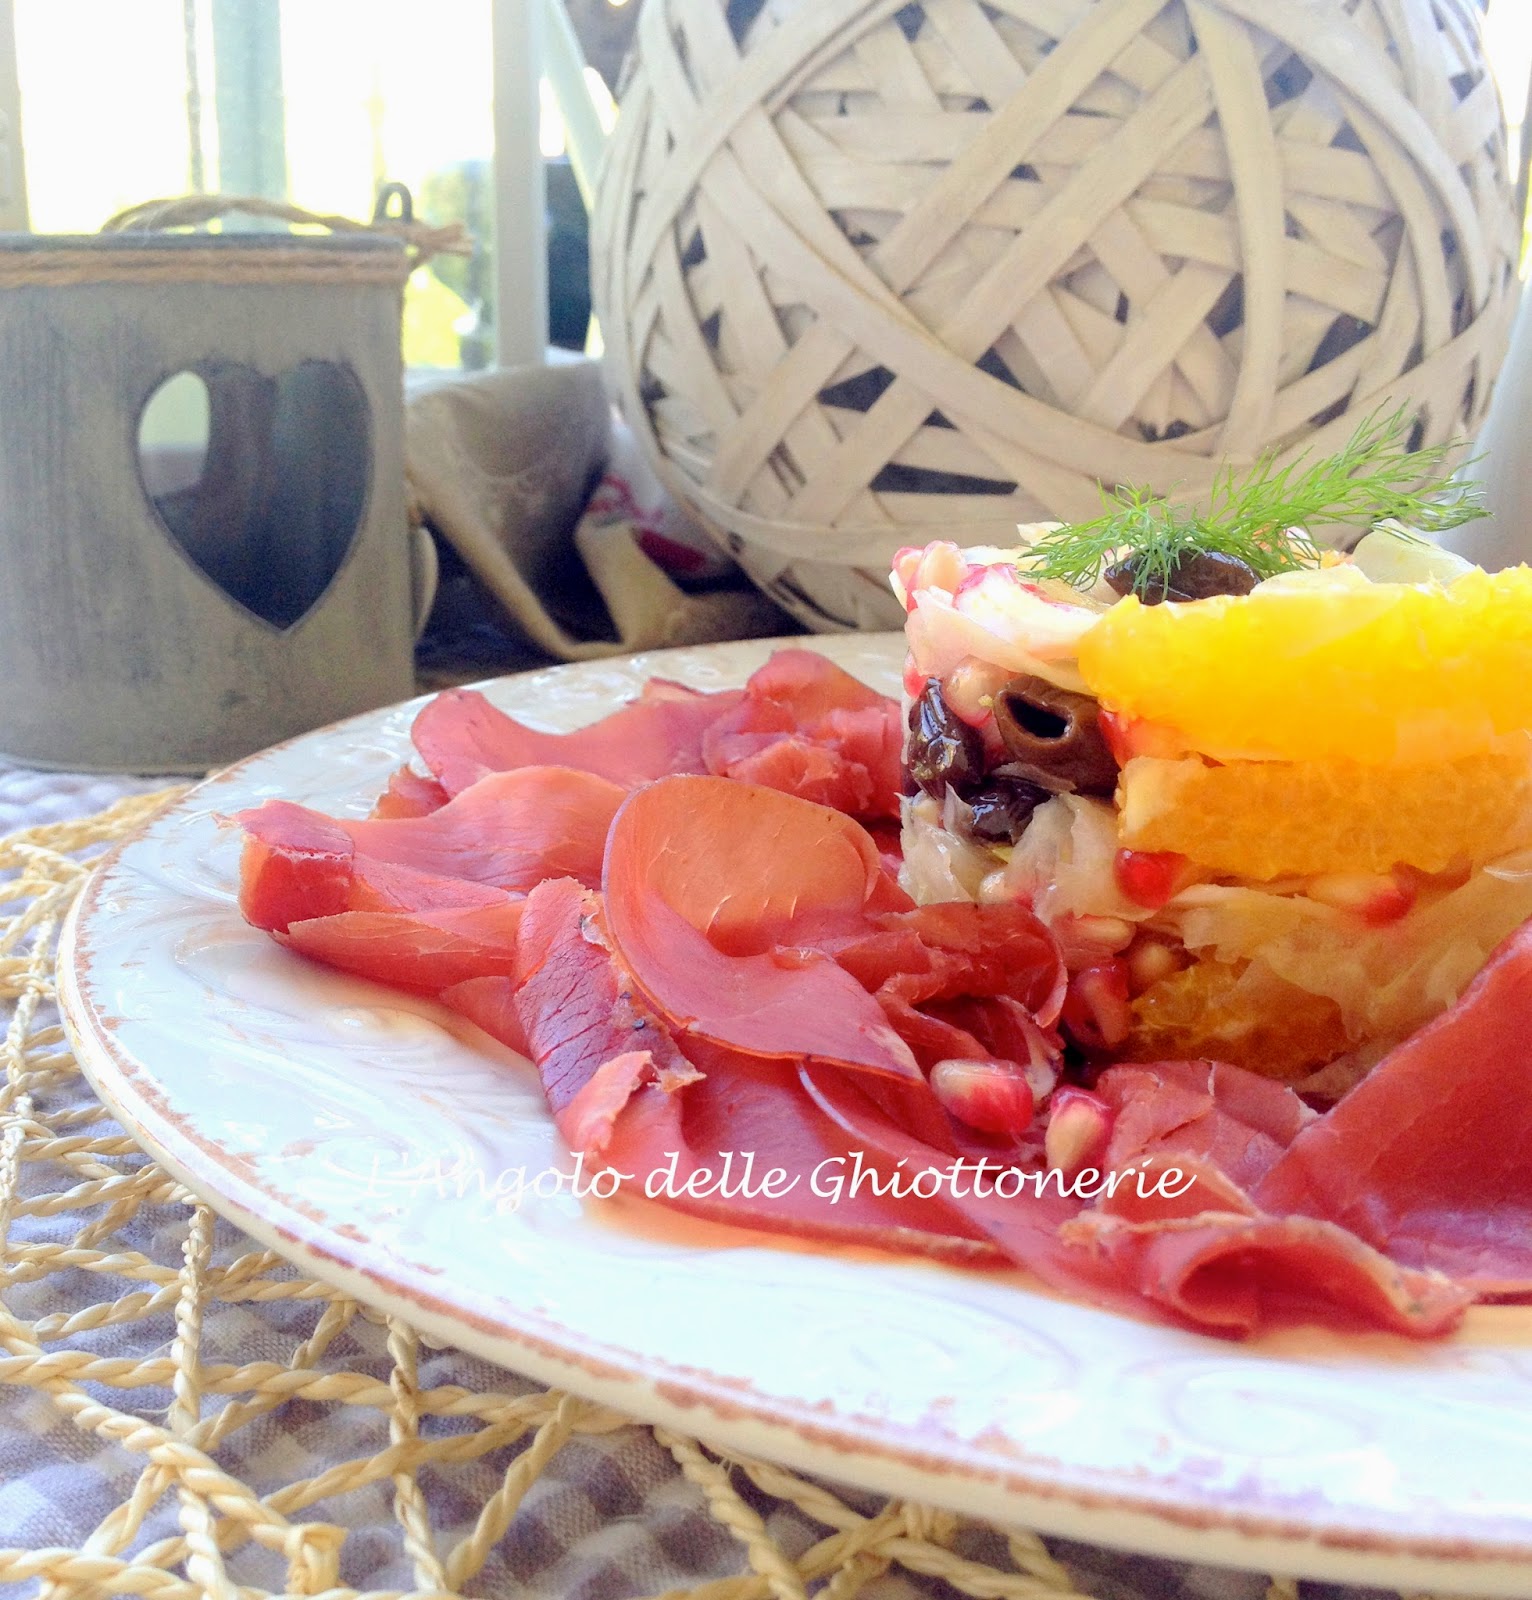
(182, 1414)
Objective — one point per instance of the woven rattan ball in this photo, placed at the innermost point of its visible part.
(871, 274)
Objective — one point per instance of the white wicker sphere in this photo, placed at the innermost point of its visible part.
(871, 274)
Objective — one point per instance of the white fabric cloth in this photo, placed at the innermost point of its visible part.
(500, 464)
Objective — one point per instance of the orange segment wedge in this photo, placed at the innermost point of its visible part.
(1244, 1015)
(1325, 665)
(1272, 819)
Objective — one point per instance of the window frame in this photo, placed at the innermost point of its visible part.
(531, 39)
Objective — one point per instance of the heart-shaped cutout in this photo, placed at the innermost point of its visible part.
(261, 481)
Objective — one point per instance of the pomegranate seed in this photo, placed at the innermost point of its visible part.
(1089, 937)
(987, 1095)
(995, 888)
(1079, 1130)
(914, 680)
(901, 580)
(971, 687)
(941, 566)
(1377, 898)
(1150, 961)
(1115, 730)
(1150, 877)
(1096, 1010)
(995, 753)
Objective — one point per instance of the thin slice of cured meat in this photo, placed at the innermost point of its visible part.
(746, 1106)
(306, 871)
(577, 1013)
(809, 728)
(931, 1036)
(724, 898)
(1218, 1113)
(709, 886)
(1022, 1220)
(1427, 1157)
(754, 868)
(462, 737)
(670, 689)
(956, 948)
(990, 1028)
(490, 1003)
(426, 951)
(298, 865)
(961, 982)
(680, 1124)
(409, 794)
(1189, 1138)
(509, 831)
(1223, 1272)
(303, 880)
(1007, 1031)
(1228, 1272)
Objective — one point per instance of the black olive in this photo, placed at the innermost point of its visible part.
(1002, 808)
(942, 748)
(1055, 731)
(1121, 576)
(1196, 575)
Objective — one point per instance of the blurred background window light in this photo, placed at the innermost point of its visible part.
(313, 101)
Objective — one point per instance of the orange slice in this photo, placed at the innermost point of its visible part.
(1326, 665)
(1272, 819)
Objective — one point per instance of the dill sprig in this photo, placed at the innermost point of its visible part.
(1264, 518)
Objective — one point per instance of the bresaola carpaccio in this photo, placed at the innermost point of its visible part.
(681, 916)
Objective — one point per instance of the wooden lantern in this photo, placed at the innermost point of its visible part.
(874, 273)
(175, 632)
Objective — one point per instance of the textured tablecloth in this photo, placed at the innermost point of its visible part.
(152, 1322)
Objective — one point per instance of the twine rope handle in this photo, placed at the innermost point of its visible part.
(421, 239)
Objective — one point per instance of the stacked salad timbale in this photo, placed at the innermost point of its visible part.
(1280, 822)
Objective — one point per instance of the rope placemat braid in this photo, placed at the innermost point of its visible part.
(183, 1415)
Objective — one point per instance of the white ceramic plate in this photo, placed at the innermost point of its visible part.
(375, 1142)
